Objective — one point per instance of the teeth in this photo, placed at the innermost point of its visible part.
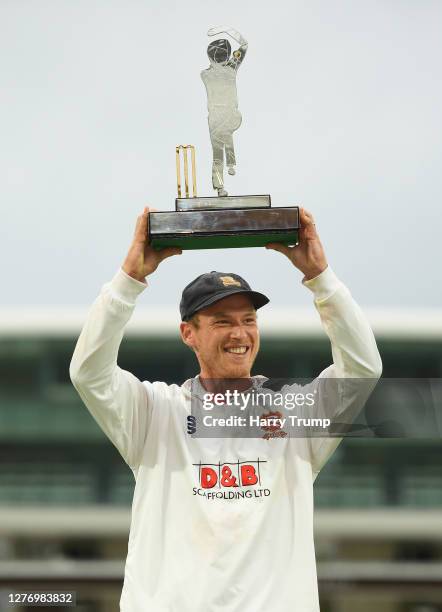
(240, 350)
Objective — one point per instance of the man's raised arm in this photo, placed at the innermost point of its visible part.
(355, 354)
(354, 350)
(117, 400)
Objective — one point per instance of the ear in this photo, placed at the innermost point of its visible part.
(187, 334)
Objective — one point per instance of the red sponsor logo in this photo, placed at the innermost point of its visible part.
(272, 427)
(234, 474)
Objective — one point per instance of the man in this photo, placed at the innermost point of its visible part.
(245, 544)
(222, 101)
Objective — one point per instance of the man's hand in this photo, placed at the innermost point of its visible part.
(308, 256)
(142, 259)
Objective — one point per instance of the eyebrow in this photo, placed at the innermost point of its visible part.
(226, 314)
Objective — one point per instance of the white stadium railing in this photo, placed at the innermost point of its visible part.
(104, 522)
(421, 323)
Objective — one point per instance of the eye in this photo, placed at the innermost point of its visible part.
(250, 320)
(222, 322)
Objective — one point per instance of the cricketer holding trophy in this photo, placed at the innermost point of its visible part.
(218, 524)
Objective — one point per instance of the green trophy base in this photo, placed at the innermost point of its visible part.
(224, 228)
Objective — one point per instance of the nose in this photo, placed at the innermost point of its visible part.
(238, 331)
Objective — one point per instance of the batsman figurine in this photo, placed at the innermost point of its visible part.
(223, 221)
(222, 101)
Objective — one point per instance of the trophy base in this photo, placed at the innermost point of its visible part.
(223, 202)
(224, 228)
(226, 241)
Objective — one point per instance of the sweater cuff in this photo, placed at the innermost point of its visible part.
(126, 288)
(324, 285)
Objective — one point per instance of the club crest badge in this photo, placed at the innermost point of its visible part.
(229, 281)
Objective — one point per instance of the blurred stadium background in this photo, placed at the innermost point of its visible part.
(65, 492)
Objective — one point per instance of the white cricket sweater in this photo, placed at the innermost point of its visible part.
(189, 551)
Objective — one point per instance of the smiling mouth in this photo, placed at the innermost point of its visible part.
(237, 350)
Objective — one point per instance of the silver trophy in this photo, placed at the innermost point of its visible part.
(221, 221)
(222, 101)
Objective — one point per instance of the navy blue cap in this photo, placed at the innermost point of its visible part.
(212, 287)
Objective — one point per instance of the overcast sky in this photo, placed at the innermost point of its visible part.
(341, 104)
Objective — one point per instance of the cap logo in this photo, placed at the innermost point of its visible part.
(229, 281)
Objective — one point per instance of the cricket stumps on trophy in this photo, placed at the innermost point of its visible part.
(219, 222)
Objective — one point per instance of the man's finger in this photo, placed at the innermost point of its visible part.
(306, 217)
(277, 246)
(168, 252)
(142, 226)
(137, 227)
(146, 211)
